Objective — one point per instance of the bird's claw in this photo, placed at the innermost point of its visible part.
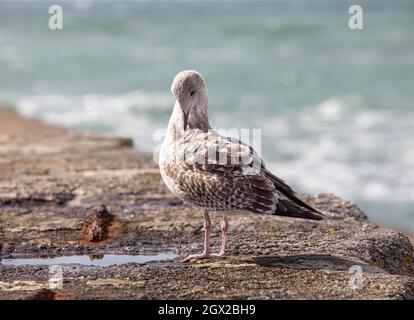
(203, 255)
(198, 256)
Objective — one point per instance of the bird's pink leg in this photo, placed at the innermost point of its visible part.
(224, 230)
(206, 252)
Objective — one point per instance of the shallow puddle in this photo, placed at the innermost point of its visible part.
(93, 260)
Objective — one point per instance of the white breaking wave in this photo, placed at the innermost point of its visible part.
(336, 146)
(127, 114)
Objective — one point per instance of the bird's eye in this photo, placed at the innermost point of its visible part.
(192, 93)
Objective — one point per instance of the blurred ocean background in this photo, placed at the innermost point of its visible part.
(335, 106)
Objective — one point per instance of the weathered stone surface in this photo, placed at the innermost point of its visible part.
(51, 179)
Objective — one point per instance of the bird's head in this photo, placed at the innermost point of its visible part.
(190, 91)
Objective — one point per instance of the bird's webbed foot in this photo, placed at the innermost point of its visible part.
(197, 256)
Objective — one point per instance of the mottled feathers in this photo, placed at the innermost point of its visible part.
(217, 173)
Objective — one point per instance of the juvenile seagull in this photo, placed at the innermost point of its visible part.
(217, 173)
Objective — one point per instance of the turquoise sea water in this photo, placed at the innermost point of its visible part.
(335, 106)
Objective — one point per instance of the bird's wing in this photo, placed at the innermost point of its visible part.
(237, 177)
(209, 150)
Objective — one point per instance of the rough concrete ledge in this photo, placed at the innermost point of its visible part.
(53, 181)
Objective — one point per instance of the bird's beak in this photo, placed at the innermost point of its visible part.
(185, 116)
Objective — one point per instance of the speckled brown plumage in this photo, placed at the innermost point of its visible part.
(225, 186)
(217, 173)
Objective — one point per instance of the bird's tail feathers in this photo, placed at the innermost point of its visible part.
(296, 208)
